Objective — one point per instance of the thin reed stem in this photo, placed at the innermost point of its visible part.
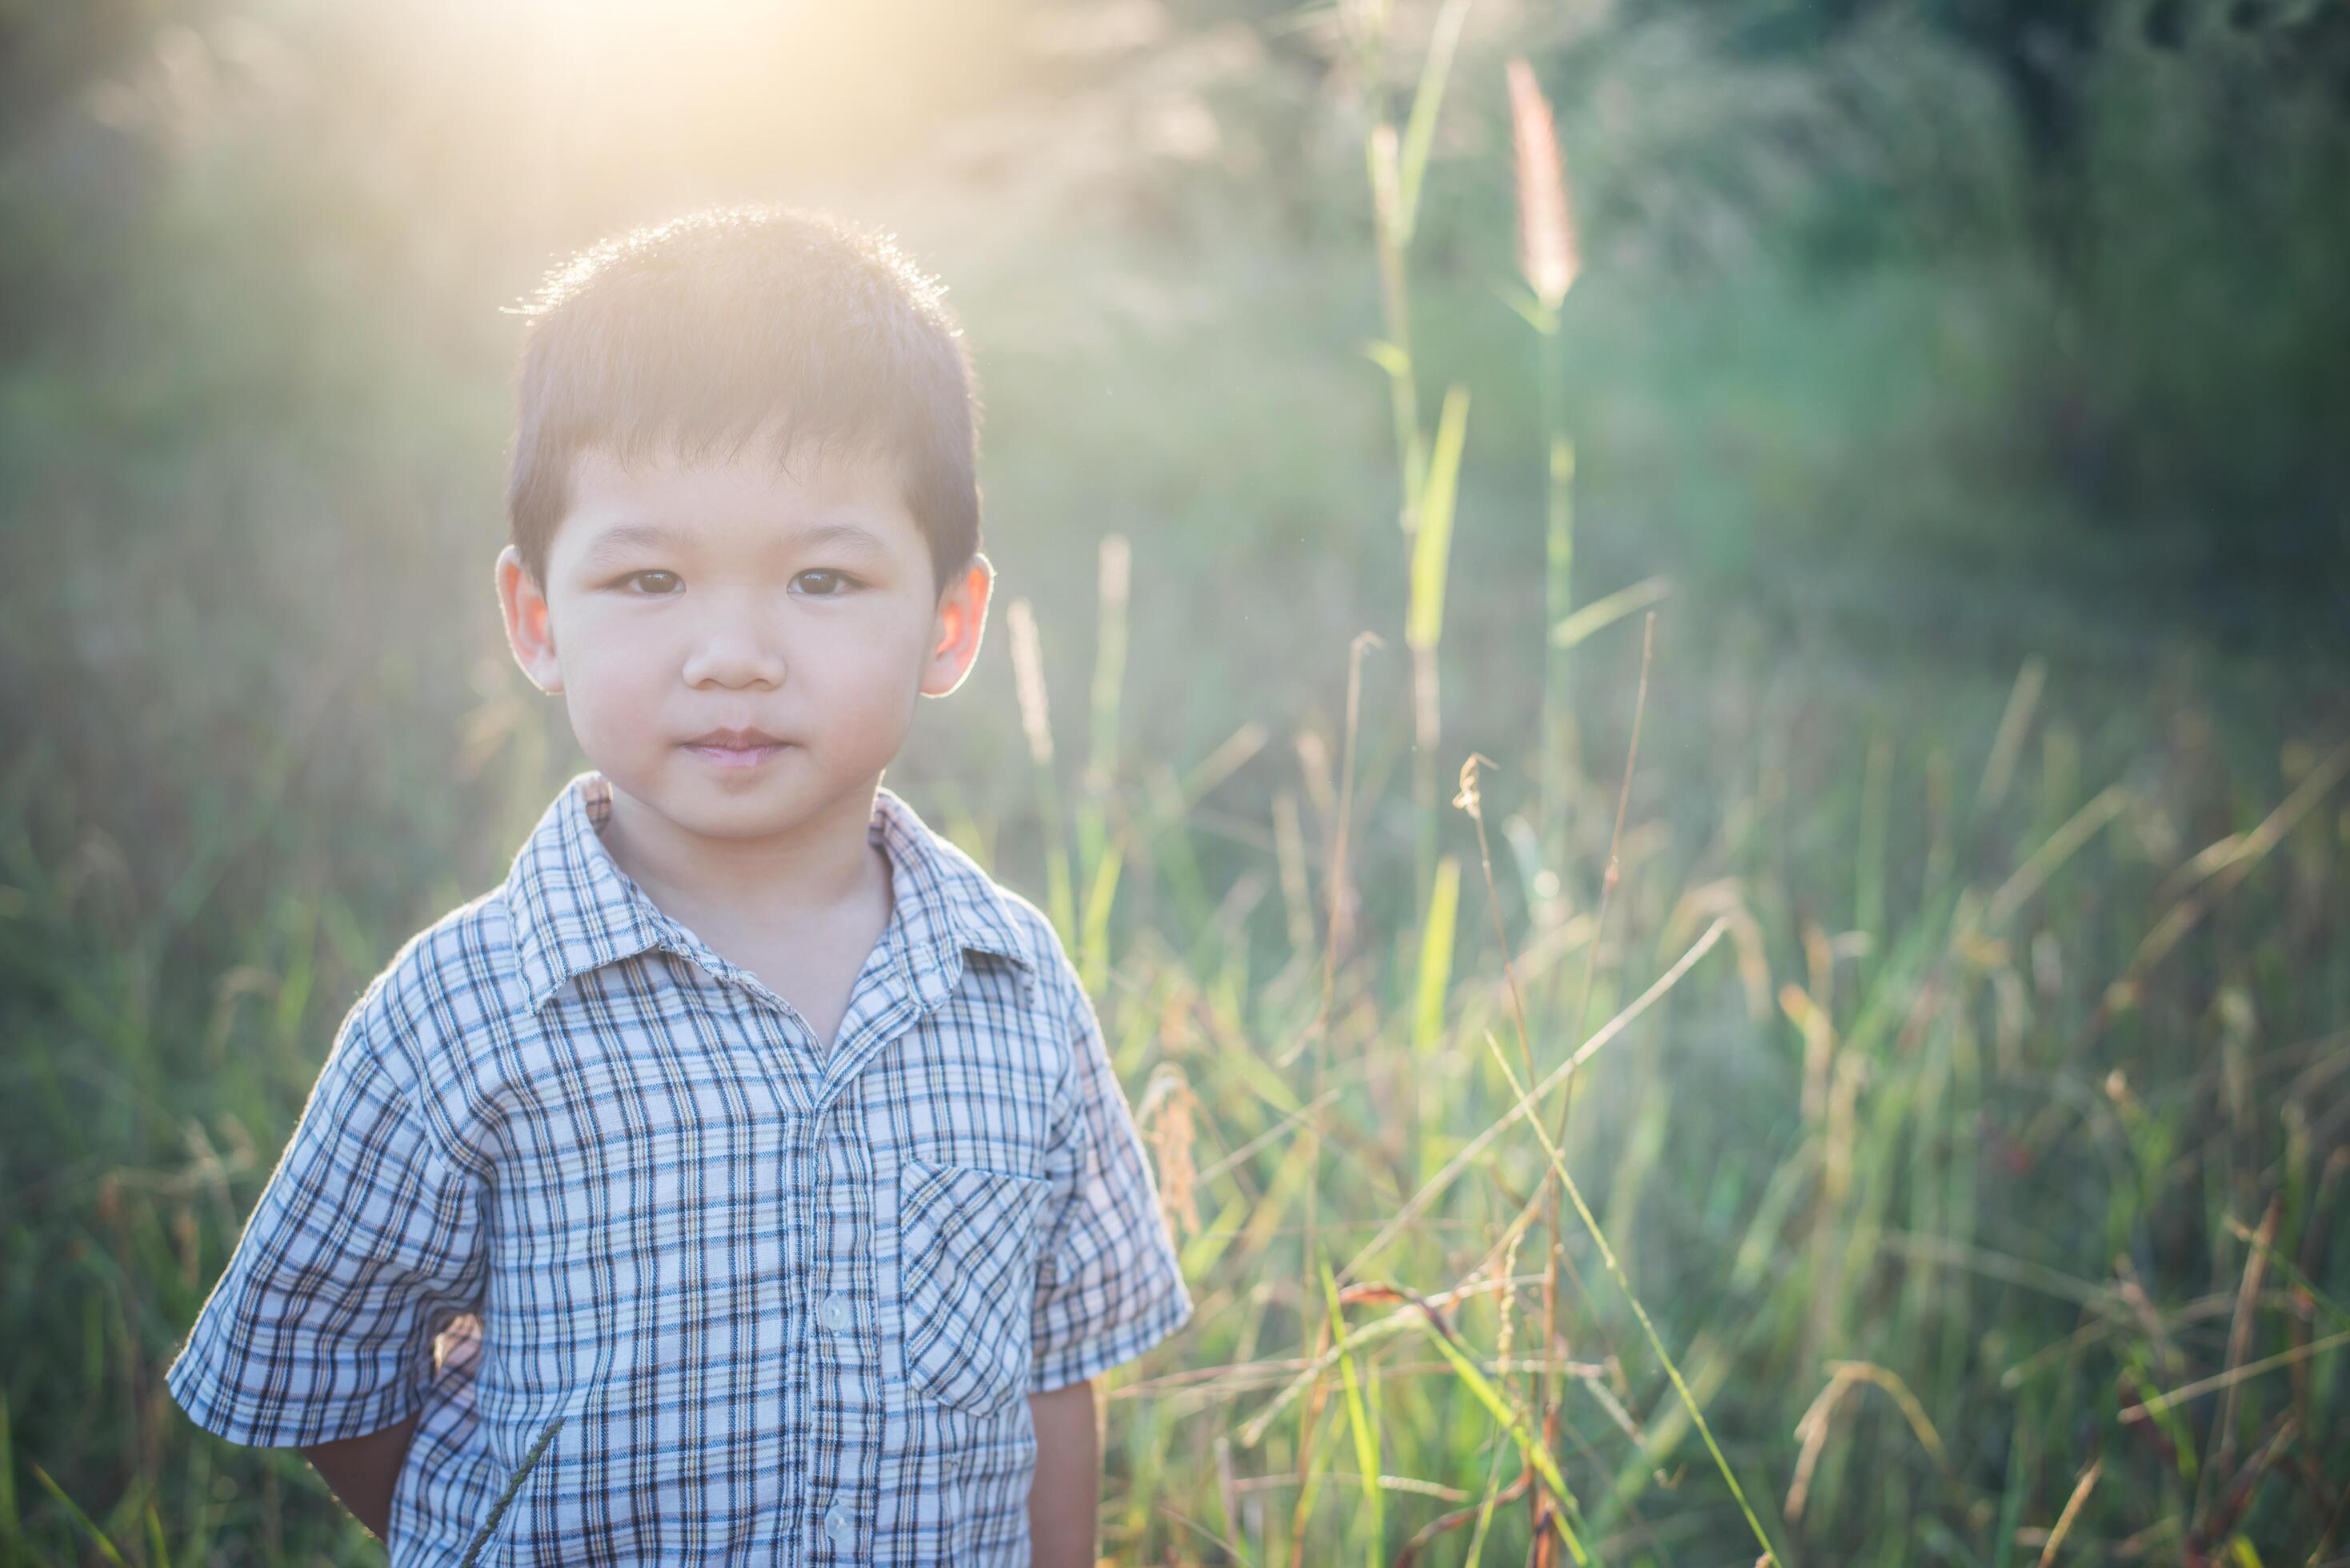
(1609, 878)
(505, 1498)
(1333, 941)
(1558, 774)
(1656, 1341)
(1036, 724)
(1475, 1147)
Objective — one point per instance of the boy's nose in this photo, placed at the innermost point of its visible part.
(734, 659)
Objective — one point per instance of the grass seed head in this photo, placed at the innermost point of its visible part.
(1547, 248)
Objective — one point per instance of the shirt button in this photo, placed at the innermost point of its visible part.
(839, 1525)
(837, 1314)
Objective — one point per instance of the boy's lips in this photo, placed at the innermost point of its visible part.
(735, 748)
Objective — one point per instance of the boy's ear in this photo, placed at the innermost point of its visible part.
(957, 627)
(529, 632)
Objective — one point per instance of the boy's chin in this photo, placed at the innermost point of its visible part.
(717, 800)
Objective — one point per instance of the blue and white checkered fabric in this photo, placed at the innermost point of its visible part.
(564, 1160)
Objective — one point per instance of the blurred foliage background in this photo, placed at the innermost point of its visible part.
(1974, 372)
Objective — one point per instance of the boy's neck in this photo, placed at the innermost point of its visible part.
(825, 863)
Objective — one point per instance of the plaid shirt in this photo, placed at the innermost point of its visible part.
(564, 1160)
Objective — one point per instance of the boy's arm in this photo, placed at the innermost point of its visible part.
(1066, 1497)
(319, 1334)
(363, 1471)
(1109, 1286)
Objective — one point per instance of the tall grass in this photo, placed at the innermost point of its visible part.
(1548, 261)
(1428, 468)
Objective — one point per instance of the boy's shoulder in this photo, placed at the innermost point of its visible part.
(460, 989)
(453, 988)
(982, 912)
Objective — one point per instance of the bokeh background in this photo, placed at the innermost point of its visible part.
(1962, 384)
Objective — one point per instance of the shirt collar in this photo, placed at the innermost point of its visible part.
(574, 910)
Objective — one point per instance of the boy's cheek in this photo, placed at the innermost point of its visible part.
(613, 668)
(617, 713)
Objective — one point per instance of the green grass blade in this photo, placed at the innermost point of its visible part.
(1431, 553)
(1358, 1420)
(1108, 683)
(1427, 101)
(1623, 1282)
(106, 1548)
(11, 1527)
(1521, 1432)
(1436, 943)
(1600, 614)
(1093, 941)
(1387, 1327)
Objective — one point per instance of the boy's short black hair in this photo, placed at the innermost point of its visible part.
(701, 332)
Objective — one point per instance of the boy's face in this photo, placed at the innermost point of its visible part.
(740, 648)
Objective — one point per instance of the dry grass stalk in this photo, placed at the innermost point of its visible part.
(1333, 940)
(2240, 1339)
(2081, 1490)
(1028, 679)
(1813, 1430)
(1165, 1114)
(2294, 1357)
(1727, 898)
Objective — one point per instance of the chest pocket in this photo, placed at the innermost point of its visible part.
(967, 1259)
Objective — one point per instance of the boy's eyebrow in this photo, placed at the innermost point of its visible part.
(622, 537)
(844, 536)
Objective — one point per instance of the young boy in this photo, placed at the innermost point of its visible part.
(749, 1146)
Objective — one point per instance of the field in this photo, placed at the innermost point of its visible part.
(1717, 876)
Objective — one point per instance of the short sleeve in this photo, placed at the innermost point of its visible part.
(363, 1242)
(1109, 1286)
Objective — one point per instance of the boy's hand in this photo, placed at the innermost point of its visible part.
(1066, 1493)
(363, 1471)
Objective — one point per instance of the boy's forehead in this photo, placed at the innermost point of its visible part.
(808, 488)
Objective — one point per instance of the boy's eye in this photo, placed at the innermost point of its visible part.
(654, 584)
(821, 583)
